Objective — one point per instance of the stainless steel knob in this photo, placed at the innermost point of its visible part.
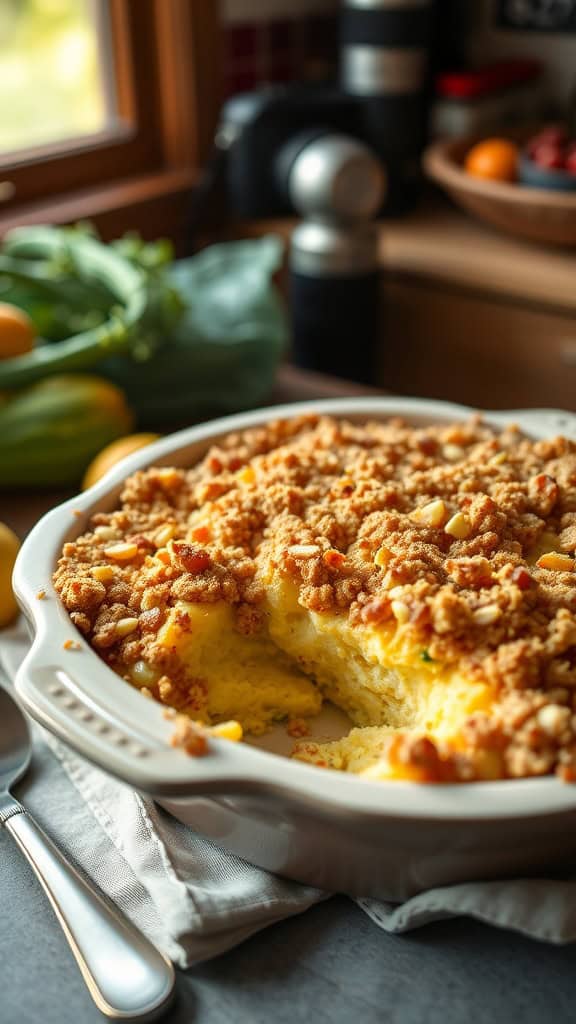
(337, 178)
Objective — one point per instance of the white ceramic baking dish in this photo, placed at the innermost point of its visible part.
(333, 830)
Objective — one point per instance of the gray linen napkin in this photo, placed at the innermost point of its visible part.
(196, 901)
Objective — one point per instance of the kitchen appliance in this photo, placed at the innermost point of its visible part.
(260, 135)
(381, 100)
(337, 186)
(385, 64)
(329, 829)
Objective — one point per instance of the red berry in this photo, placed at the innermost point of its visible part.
(555, 134)
(546, 154)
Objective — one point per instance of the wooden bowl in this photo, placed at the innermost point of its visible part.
(536, 213)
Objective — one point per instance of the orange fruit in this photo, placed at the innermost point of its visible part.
(496, 159)
(17, 332)
(112, 454)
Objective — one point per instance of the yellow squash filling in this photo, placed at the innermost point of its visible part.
(376, 675)
(244, 678)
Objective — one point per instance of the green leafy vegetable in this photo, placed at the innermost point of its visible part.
(200, 335)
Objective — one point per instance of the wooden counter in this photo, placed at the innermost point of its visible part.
(470, 314)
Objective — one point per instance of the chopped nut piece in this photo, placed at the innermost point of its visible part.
(165, 688)
(227, 731)
(123, 552)
(102, 573)
(400, 611)
(458, 526)
(382, 556)
(40, 595)
(432, 514)
(453, 452)
(486, 615)
(556, 560)
(499, 459)
(126, 626)
(107, 532)
(553, 718)
(168, 476)
(165, 533)
(303, 550)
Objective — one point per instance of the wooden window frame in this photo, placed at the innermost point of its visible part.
(138, 173)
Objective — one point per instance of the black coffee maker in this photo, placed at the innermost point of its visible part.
(381, 99)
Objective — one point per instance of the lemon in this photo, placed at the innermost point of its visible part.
(112, 454)
(17, 332)
(9, 548)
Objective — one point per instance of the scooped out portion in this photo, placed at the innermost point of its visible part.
(422, 579)
(298, 661)
(382, 680)
(228, 675)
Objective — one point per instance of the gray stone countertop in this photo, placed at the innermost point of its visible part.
(330, 965)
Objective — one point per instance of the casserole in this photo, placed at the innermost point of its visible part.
(385, 839)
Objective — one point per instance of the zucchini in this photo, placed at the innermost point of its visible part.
(50, 431)
(60, 265)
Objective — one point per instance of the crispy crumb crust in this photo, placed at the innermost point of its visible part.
(433, 527)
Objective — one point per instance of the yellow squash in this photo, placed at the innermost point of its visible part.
(9, 547)
(112, 454)
(50, 431)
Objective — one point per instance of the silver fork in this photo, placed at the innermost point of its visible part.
(127, 977)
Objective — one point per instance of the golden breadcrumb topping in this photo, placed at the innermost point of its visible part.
(463, 535)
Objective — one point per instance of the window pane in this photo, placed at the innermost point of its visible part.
(55, 80)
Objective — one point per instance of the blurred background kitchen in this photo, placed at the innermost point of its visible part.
(377, 190)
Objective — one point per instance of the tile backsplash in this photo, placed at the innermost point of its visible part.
(278, 41)
(266, 10)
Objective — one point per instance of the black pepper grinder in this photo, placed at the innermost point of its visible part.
(337, 184)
